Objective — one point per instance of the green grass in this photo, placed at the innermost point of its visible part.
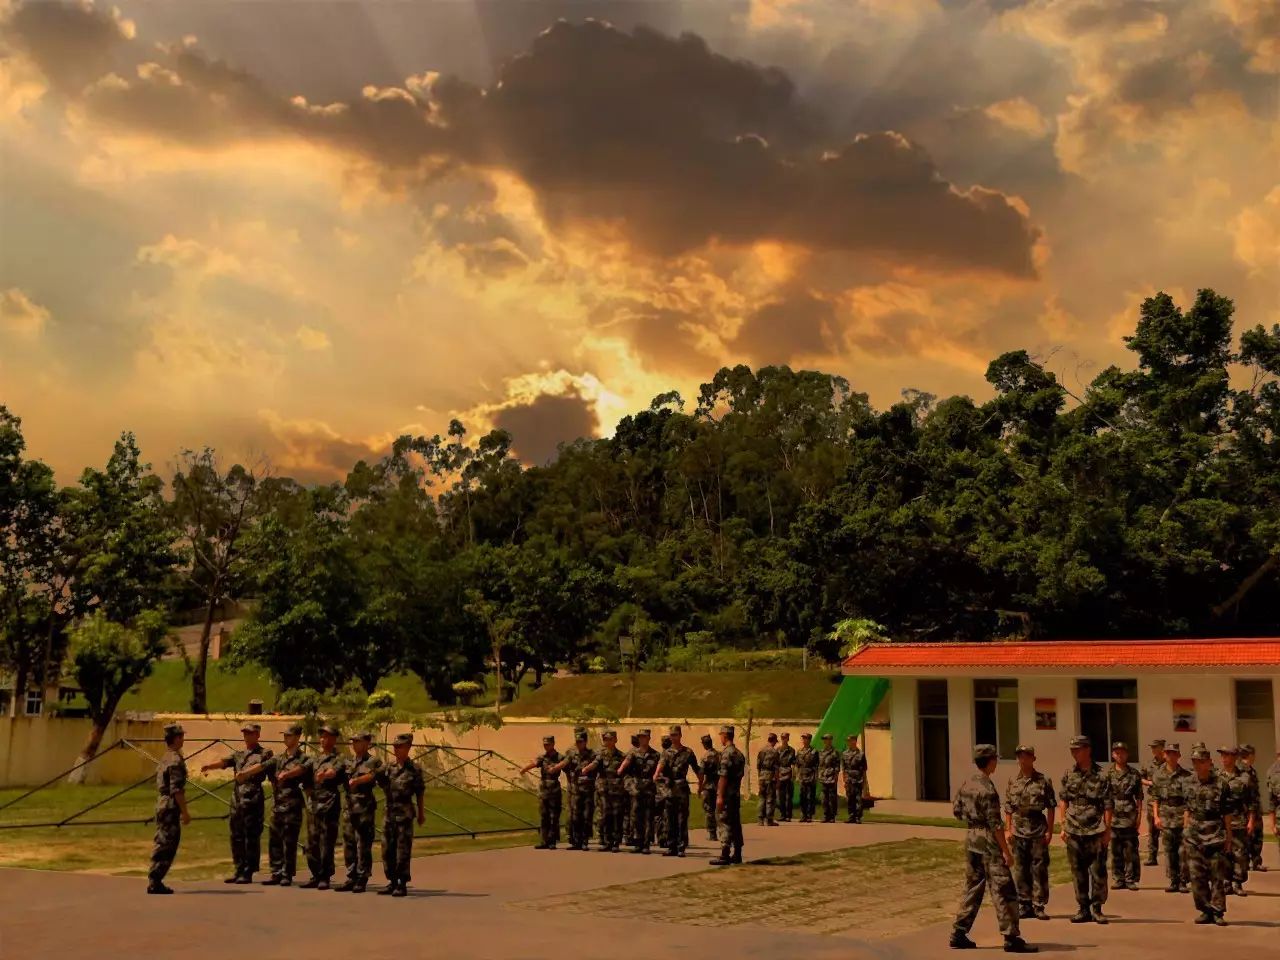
(801, 695)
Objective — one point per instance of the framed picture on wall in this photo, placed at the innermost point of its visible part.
(1184, 716)
(1046, 713)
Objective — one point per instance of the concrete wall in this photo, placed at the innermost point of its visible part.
(36, 749)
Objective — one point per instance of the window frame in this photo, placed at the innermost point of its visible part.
(35, 697)
(1100, 752)
(1004, 751)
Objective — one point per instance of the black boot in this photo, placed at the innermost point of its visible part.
(1082, 916)
(402, 890)
(271, 881)
(345, 886)
(359, 886)
(244, 878)
(959, 941)
(389, 889)
(156, 887)
(235, 879)
(311, 884)
(1098, 915)
(1018, 945)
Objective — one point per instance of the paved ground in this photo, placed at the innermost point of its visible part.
(468, 906)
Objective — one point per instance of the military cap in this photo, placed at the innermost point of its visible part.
(1120, 745)
(362, 735)
(1157, 742)
(852, 736)
(785, 735)
(1172, 747)
(726, 728)
(826, 736)
(1246, 749)
(173, 730)
(1024, 748)
(983, 752)
(609, 735)
(294, 729)
(1199, 752)
(403, 738)
(1230, 751)
(331, 730)
(643, 732)
(579, 733)
(251, 728)
(675, 731)
(547, 741)
(1076, 742)
(706, 739)
(772, 738)
(806, 736)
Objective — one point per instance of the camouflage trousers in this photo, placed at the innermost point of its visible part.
(613, 803)
(1031, 870)
(642, 817)
(628, 811)
(1153, 835)
(246, 838)
(677, 827)
(322, 841)
(981, 871)
(729, 827)
(808, 799)
(165, 846)
(786, 799)
(549, 816)
(1087, 858)
(1126, 862)
(853, 794)
(1174, 847)
(768, 800)
(660, 804)
(1255, 843)
(582, 809)
(1240, 855)
(1210, 867)
(357, 845)
(282, 845)
(397, 849)
(709, 808)
(830, 802)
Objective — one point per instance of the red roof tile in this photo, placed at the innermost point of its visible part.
(1041, 654)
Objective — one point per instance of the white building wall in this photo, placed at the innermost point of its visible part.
(960, 735)
(1215, 710)
(902, 727)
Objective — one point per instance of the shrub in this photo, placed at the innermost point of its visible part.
(467, 690)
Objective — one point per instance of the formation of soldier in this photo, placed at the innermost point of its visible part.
(1207, 821)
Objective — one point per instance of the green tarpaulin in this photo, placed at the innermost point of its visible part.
(855, 700)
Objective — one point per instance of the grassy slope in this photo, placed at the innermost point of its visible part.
(786, 694)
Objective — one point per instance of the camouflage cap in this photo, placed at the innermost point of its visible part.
(984, 752)
(1199, 752)
(785, 735)
(1120, 745)
(706, 739)
(293, 730)
(1078, 741)
(362, 735)
(579, 733)
(826, 736)
(1246, 749)
(251, 728)
(174, 730)
(403, 740)
(1157, 742)
(643, 732)
(1024, 748)
(772, 738)
(331, 730)
(675, 731)
(1172, 747)
(806, 736)
(726, 728)
(548, 741)
(852, 736)
(609, 735)
(1229, 751)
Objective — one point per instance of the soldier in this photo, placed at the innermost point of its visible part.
(1029, 807)
(628, 807)
(1247, 756)
(828, 776)
(673, 768)
(853, 763)
(171, 808)
(710, 778)
(287, 772)
(1207, 820)
(643, 763)
(327, 773)
(786, 769)
(987, 857)
(807, 777)
(549, 765)
(1169, 808)
(362, 809)
(1242, 797)
(733, 766)
(1087, 810)
(247, 803)
(1148, 772)
(582, 797)
(1273, 791)
(611, 795)
(767, 770)
(1125, 784)
(404, 784)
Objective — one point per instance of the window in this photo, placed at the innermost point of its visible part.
(35, 700)
(1253, 700)
(1108, 712)
(995, 715)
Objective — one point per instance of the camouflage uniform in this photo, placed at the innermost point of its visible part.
(854, 764)
(287, 809)
(171, 778)
(807, 777)
(1166, 786)
(1241, 798)
(629, 798)
(1254, 845)
(1125, 785)
(1087, 798)
(362, 810)
(978, 805)
(829, 776)
(248, 810)
(711, 776)
(1273, 791)
(404, 785)
(767, 771)
(549, 798)
(1026, 800)
(1207, 804)
(733, 766)
(786, 765)
(612, 797)
(661, 799)
(676, 763)
(1153, 832)
(643, 765)
(326, 814)
(582, 796)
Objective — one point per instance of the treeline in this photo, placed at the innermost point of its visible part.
(772, 506)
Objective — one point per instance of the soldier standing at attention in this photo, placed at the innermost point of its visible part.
(853, 762)
(1247, 756)
(1029, 807)
(549, 765)
(786, 768)
(612, 796)
(628, 807)
(1242, 797)
(247, 803)
(661, 796)
(171, 808)
(1125, 784)
(1086, 829)
(733, 766)
(829, 776)
(767, 769)
(673, 768)
(707, 786)
(987, 857)
(402, 780)
(807, 776)
(582, 806)
(1208, 822)
(642, 762)
(288, 772)
(1148, 777)
(1169, 807)
(1273, 790)
(327, 774)
(362, 809)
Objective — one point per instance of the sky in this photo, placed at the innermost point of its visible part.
(295, 229)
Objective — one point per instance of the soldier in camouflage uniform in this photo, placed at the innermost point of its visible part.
(642, 762)
(1247, 757)
(661, 795)
(673, 769)
(1029, 806)
(853, 763)
(710, 778)
(1241, 799)
(767, 772)
(288, 773)
(326, 774)
(829, 777)
(807, 777)
(171, 808)
(582, 795)
(1207, 821)
(549, 765)
(629, 803)
(1169, 809)
(987, 857)
(786, 770)
(1087, 810)
(610, 793)
(733, 767)
(247, 803)
(362, 809)
(1125, 784)
(404, 784)
(1273, 792)
(1148, 773)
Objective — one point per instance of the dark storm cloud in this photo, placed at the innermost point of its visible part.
(538, 427)
(780, 331)
(654, 135)
(665, 339)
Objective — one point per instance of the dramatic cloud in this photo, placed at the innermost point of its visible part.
(783, 330)
(19, 316)
(538, 427)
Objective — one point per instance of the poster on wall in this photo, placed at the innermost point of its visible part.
(1184, 716)
(1046, 713)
